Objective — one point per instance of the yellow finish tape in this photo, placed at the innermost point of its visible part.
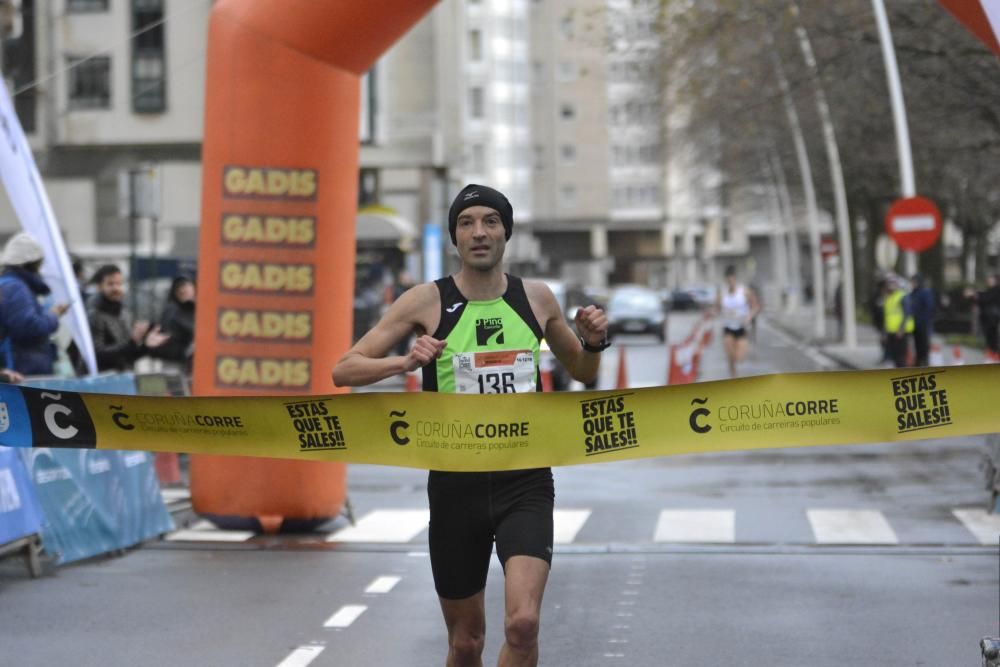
(470, 433)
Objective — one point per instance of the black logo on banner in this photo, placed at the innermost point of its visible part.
(921, 402)
(697, 413)
(608, 425)
(397, 429)
(59, 419)
(487, 328)
(317, 428)
(120, 418)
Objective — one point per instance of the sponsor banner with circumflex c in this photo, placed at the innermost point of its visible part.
(513, 431)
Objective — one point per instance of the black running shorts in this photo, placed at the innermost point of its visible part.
(471, 510)
(737, 332)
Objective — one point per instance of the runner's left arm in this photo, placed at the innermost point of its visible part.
(591, 323)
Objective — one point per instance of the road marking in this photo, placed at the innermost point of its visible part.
(701, 526)
(986, 527)
(345, 616)
(205, 531)
(384, 526)
(851, 527)
(382, 585)
(567, 523)
(173, 495)
(301, 656)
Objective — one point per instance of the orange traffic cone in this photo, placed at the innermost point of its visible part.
(956, 356)
(412, 382)
(546, 380)
(622, 382)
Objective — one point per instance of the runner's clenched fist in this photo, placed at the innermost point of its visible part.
(592, 325)
(425, 349)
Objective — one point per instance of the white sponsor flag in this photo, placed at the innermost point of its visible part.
(992, 10)
(27, 195)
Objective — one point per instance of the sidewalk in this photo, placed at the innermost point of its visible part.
(800, 324)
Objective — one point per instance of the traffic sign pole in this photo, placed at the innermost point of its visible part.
(907, 180)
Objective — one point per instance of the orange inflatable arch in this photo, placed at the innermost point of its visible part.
(277, 239)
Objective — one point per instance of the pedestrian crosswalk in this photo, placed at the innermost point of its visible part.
(821, 526)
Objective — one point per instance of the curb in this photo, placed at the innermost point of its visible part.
(819, 348)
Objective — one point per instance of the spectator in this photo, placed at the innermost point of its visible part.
(898, 320)
(876, 309)
(80, 272)
(27, 325)
(922, 306)
(116, 343)
(988, 301)
(177, 321)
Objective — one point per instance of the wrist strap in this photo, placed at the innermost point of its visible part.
(596, 349)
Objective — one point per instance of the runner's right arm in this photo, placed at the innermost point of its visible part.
(367, 362)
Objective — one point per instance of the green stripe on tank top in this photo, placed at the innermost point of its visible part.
(484, 326)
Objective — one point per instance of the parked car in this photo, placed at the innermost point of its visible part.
(704, 295)
(682, 299)
(634, 309)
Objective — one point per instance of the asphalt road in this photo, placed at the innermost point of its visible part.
(815, 556)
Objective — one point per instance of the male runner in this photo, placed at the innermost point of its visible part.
(480, 310)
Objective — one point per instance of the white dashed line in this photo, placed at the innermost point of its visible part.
(205, 531)
(851, 527)
(301, 656)
(567, 523)
(345, 616)
(986, 527)
(382, 585)
(697, 526)
(384, 526)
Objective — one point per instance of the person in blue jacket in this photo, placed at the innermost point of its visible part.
(25, 324)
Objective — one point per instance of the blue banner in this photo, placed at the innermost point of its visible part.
(95, 501)
(20, 514)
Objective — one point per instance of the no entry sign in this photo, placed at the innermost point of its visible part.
(914, 223)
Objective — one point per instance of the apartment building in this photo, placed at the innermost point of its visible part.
(103, 88)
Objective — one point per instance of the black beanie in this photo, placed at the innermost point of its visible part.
(480, 195)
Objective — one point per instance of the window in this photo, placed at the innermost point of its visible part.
(89, 83)
(477, 159)
(475, 45)
(567, 110)
(368, 107)
(567, 195)
(568, 70)
(568, 153)
(566, 26)
(149, 71)
(73, 6)
(477, 102)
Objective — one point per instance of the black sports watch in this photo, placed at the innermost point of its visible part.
(596, 349)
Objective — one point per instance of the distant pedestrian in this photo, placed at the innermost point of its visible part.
(898, 321)
(988, 302)
(117, 342)
(737, 307)
(876, 310)
(27, 326)
(922, 307)
(177, 321)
